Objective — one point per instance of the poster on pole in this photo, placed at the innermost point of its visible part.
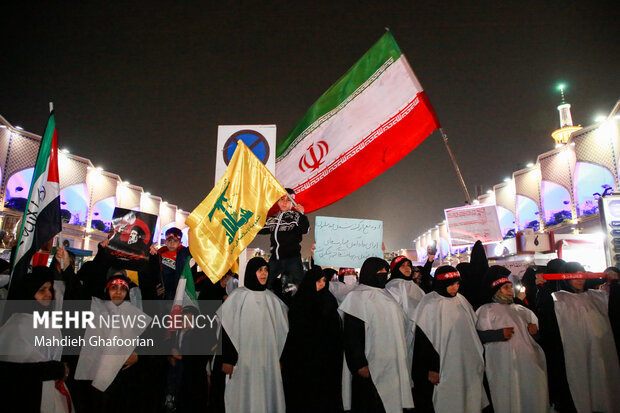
(470, 223)
(261, 139)
(346, 242)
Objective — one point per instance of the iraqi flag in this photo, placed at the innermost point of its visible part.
(41, 221)
(366, 122)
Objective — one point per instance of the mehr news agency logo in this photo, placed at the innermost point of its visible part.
(106, 322)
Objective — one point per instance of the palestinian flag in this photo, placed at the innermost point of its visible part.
(41, 221)
(366, 122)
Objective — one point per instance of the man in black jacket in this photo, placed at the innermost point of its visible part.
(286, 228)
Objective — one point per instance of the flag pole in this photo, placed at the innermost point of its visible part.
(456, 166)
(291, 199)
(27, 242)
(57, 238)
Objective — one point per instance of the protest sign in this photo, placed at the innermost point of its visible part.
(133, 235)
(346, 242)
(470, 223)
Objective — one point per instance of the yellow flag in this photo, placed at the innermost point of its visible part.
(229, 218)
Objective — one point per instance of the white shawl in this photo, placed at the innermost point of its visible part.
(17, 338)
(450, 325)
(385, 346)
(257, 324)
(516, 368)
(589, 350)
(101, 365)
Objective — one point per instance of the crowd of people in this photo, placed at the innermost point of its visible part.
(392, 338)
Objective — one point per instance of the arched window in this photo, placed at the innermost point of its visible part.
(555, 203)
(74, 204)
(17, 189)
(527, 211)
(590, 182)
(102, 214)
(506, 221)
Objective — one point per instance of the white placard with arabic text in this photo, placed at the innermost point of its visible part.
(346, 242)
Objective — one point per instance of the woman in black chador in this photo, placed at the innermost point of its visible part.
(312, 358)
(32, 377)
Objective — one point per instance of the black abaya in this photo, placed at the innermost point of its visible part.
(312, 357)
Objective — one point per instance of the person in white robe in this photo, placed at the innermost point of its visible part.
(406, 293)
(376, 345)
(255, 326)
(448, 358)
(586, 360)
(32, 376)
(343, 284)
(111, 368)
(515, 364)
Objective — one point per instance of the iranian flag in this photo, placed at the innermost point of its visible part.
(366, 122)
(185, 294)
(41, 221)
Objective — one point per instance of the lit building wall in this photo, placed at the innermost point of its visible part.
(88, 194)
(128, 196)
(562, 189)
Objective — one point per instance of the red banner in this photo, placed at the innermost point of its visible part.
(574, 276)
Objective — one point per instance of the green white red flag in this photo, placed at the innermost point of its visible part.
(362, 125)
(41, 221)
(185, 294)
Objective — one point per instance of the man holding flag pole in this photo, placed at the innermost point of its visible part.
(41, 220)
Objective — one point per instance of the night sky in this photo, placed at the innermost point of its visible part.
(141, 88)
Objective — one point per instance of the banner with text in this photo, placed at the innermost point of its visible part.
(347, 242)
(470, 223)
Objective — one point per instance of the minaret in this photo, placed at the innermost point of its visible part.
(566, 122)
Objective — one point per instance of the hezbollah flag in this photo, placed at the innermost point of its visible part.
(229, 218)
(366, 122)
(41, 219)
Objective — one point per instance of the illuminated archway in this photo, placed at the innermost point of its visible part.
(590, 182)
(74, 199)
(527, 211)
(102, 214)
(555, 203)
(506, 220)
(17, 189)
